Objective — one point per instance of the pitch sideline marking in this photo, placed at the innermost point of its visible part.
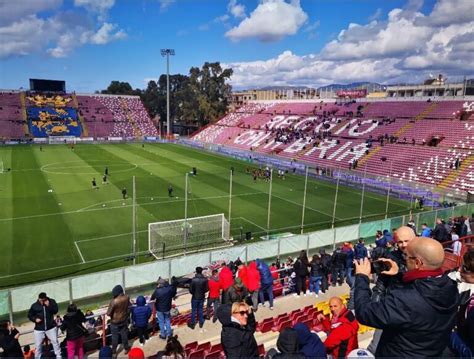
(80, 253)
(300, 205)
(255, 224)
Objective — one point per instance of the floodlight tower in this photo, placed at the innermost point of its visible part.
(167, 53)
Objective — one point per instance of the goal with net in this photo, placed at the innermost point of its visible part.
(187, 235)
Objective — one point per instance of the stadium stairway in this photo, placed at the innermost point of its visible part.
(85, 131)
(24, 117)
(364, 159)
(449, 179)
(418, 117)
(126, 110)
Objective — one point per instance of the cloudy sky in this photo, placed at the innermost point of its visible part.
(89, 43)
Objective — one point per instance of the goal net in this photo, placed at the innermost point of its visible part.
(187, 235)
(58, 140)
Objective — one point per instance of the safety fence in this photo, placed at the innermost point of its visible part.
(19, 299)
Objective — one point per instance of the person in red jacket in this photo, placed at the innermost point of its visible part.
(226, 280)
(341, 329)
(213, 297)
(252, 282)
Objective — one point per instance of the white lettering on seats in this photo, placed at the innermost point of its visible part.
(323, 147)
(359, 151)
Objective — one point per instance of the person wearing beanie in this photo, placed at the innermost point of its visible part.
(238, 292)
(136, 353)
(140, 316)
(73, 324)
(310, 344)
(119, 313)
(163, 297)
(198, 289)
(287, 344)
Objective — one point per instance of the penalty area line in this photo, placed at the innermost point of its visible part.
(79, 251)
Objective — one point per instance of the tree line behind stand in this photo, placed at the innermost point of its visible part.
(196, 99)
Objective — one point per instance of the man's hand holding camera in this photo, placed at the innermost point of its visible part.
(381, 266)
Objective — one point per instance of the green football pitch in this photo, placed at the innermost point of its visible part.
(54, 224)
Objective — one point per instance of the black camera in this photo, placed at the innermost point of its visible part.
(379, 266)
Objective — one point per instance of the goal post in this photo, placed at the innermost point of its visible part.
(187, 235)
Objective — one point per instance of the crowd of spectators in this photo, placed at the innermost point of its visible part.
(413, 305)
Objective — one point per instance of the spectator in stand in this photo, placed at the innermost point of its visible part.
(301, 269)
(238, 292)
(347, 248)
(440, 233)
(468, 225)
(28, 353)
(457, 245)
(274, 270)
(42, 314)
(140, 316)
(360, 251)
(9, 341)
(226, 279)
(418, 317)
(462, 340)
(163, 296)
(287, 344)
(119, 314)
(315, 275)
(252, 283)
(310, 345)
(173, 350)
(326, 262)
(385, 283)
(90, 320)
(463, 227)
(341, 329)
(73, 324)
(198, 289)
(425, 231)
(266, 283)
(338, 266)
(213, 298)
(238, 328)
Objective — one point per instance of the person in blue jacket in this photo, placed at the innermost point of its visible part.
(140, 316)
(266, 283)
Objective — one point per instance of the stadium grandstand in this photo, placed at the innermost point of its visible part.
(290, 186)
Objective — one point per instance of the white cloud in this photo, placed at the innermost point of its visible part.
(27, 35)
(376, 15)
(237, 10)
(96, 7)
(106, 34)
(404, 48)
(447, 12)
(165, 4)
(222, 18)
(11, 11)
(270, 21)
(60, 33)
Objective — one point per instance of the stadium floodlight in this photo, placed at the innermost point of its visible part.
(167, 53)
